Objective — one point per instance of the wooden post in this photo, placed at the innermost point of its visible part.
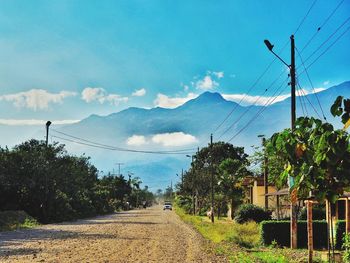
(278, 206)
(347, 215)
(309, 230)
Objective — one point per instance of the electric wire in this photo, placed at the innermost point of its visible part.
(250, 89)
(104, 145)
(321, 26)
(301, 103)
(327, 39)
(326, 50)
(306, 15)
(312, 86)
(268, 103)
(312, 106)
(108, 147)
(249, 108)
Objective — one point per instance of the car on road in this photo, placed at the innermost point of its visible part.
(167, 206)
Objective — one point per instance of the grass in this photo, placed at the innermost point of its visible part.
(241, 243)
(12, 220)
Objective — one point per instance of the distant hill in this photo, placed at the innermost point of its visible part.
(198, 117)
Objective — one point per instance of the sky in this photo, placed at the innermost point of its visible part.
(65, 60)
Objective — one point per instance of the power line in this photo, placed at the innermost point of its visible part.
(301, 103)
(312, 86)
(268, 103)
(312, 106)
(261, 76)
(112, 148)
(328, 38)
(122, 149)
(321, 26)
(248, 108)
(306, 15)
(325, 51)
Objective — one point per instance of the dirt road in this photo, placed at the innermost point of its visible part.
(150, 235)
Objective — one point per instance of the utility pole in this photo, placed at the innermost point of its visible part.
(48, 123)
(212, 178)
(119, 164)
(293, 216)
(266, 173)
(293, 207)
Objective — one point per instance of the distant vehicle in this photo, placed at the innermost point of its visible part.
(167, 206)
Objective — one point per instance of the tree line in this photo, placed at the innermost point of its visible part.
(53, 186)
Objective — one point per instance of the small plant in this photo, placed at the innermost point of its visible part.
(274, 244)
(246, 235)
(346, 246)
(249, 212)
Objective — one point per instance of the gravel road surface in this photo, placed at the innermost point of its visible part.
(148, 235)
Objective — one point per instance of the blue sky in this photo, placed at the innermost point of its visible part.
(65, 60)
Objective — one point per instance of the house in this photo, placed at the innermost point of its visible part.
(278, 200)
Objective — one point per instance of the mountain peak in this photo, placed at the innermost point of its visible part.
(210, 97)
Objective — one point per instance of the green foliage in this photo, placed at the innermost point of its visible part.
(318, 213)
(250, 212)
(346, 246)
(246, 235)
(339, 233)
(279, 231)
(12, 220)
(341, 107)
(53, 186)
(317, 156)
(227, 163)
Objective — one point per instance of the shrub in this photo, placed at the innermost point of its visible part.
(318, 213)
(246, 235)
(249, 212)
(11, 220)
(279, 231)
(339, 233)
(346, 246)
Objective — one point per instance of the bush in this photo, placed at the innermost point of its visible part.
(249, 212)
(339, 233)
(279, 231)
(11, 220)
(318, 213)
(246, 235)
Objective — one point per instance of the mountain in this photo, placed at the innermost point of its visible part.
(197, 118)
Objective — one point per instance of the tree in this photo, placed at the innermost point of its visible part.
(232, 171)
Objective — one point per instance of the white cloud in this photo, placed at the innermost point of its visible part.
(326, 82)
(245, 99)
(99, 94)
(168, 102)
(139, 93)
(263, 100)
(36, 98)
(218, 74)
(13, 122)
(174, 139)
(207, 83)
(136, 140)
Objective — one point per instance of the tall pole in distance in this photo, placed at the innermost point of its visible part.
(212, 178)
(266, 176)
(48, 123)
(293, 216)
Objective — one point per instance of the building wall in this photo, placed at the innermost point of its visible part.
(259, 198)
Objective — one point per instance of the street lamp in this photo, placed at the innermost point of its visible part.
(48, 123)
(270, 47)
(291, 67)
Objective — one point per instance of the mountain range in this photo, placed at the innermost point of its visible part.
(193, 122)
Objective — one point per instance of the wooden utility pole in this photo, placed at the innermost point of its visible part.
(310, 245)
(212, 178)
(293, 206)
(119, 164)
(266, 174)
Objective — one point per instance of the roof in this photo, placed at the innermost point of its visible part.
(284, 191)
